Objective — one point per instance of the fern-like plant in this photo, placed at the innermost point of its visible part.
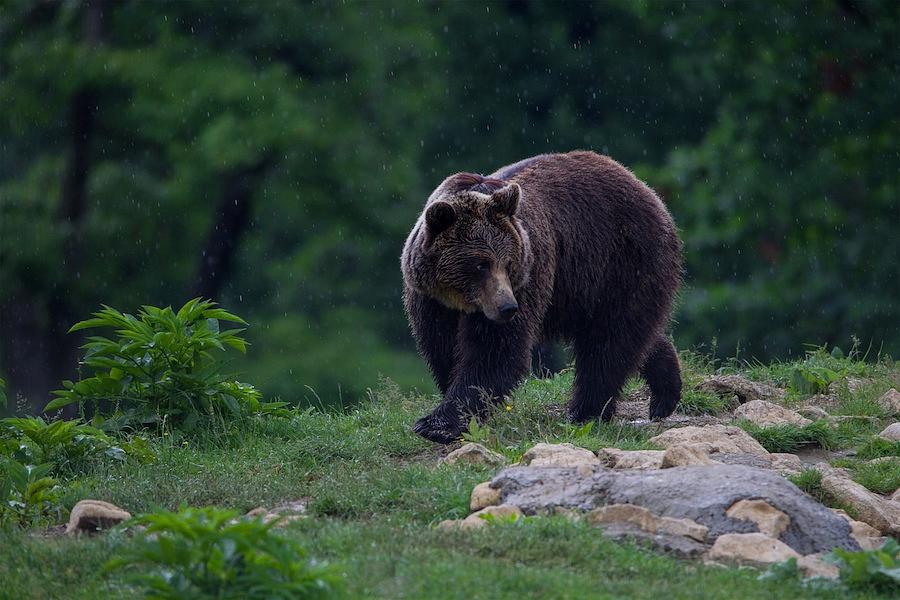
(27, 494)
(211, 553)
(163, 368)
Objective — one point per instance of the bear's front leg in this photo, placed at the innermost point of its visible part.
(491, 360)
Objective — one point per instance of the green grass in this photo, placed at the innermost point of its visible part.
(375, 492)
(810, 481)
(790, 437)
(877, 447)
(881, 477)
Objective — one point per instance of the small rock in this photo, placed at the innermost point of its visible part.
(473, 454)
(475, 520)
(483, 495)
(786, 464)
(769, 520)
(890, 401)
(743, 388)
(723, 439)
(686, 455)
(895, 497)
(259, 511)
(871, 508)
(631, 459)
(751, 548)
(558, 455)
(646, 520)
(813, 412)
(89, 516)
(891, 432)
(813, 565)
(766, 414)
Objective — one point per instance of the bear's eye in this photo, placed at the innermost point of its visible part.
(482, 266)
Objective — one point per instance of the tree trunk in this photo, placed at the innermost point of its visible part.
(231, 220)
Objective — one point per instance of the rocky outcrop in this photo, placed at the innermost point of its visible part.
(870, 508)
(721, 439)
(631, 459)
(741, 388)
(767, 414)
(751, 548)
(702, 494)
(473, 454)
(91, 516)
(559, 455)
(686, 455)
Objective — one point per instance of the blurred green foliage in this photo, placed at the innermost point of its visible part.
(769, 128)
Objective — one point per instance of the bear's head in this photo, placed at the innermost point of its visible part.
(469, 249)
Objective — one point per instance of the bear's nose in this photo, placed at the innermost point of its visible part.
(508, 310)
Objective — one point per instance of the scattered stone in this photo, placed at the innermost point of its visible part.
(766, 414)
(746, 460)
(813, 412)
(631, 459)
(702, 494)
(871, 508)
(473, 454)
(890, 401)
(686, 455)
(676, 545)
(483, 495)
(558, 455)
(259, 511)
(854, 384)
(741, 387)
(723, 439)
(891, 432)
(769, 520)
(90, 516)
(814, 565)
(895, 497)
(786, 464)
(751, 548)
(475, 520)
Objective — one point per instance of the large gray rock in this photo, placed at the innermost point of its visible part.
(702, 493)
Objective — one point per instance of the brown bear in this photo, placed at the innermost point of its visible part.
(569, 247)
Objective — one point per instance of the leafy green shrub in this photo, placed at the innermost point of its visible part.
(33, 440)
(871, 568)
(790, 437)
(208, 553)
(163, 368)
(26, 493)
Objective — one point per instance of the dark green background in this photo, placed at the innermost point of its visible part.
(128, 129)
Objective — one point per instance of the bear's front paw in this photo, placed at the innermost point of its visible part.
(439, 427)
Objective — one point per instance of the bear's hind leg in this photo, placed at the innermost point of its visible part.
(662, 372)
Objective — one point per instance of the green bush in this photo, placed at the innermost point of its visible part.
(871, 568)
(209, 553)
(33, 440)
(27, 494)
(163, 369)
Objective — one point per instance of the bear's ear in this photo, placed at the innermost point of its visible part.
(506, 199)
(439, 216)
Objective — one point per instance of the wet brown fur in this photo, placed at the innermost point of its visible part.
(591, 256)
